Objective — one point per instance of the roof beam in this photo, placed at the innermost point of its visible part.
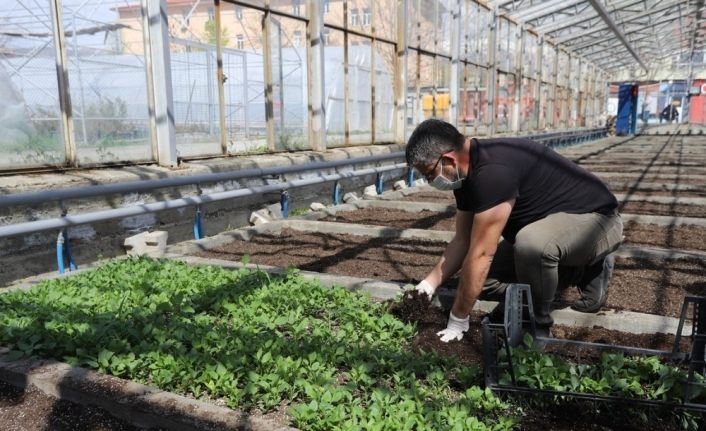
(611, 24)
(578, 19)
(660, 8)
(544, 9)
(601, 39)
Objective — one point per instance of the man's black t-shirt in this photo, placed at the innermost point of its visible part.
(541, 181)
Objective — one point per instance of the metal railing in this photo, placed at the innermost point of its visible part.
(65, 221)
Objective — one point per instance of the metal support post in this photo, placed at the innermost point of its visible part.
(162, 82)
(220, 79)
(315, 57)
(492, 72)
(552, 99)
(519, 88)
(538, 82)
(401, 71)
(455, 63)
(62, 78)
(267, 65)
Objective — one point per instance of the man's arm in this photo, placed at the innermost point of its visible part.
(455, 252)
(485, 235)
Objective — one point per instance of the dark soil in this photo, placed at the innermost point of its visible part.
(469, 350)
(655, 190)
(679, 237)
(397, 218)
(643, 285)
(658, 179)
(431, 196)
(393, 259)
(31, 410)
(652, 208)
(682, 237)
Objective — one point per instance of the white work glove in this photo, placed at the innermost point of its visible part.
(425, 288)
(454, 328)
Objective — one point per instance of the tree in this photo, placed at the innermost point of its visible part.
(210, 29)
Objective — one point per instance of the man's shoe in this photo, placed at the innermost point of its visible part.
(594, 286)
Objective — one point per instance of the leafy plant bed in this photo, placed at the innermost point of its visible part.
(662, 285)
(542, 414)
(31, 409)
(652, 208)
(683, 237)
(330, 358)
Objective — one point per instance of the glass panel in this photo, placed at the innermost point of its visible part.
(504, 102)
(192, 35)
(426, 85)
(528, 117)
(385, 18)
(414, 111)
(469, 27)
(360, 16)
(384, 92)
(30, 127)
(333, 12)
(289, 85)
(292, 7)
(443, 83)
(107, 80)
(334, 79)
(548, 54)
(243, 67)
(484, 18)
(529, 55)
(427, 23)
(544, 97)
(511, 46)
(559, 108)
(443, 26)
(482, 100)
(412, 21)
(465, 96)
(359, 90)
(563, 70)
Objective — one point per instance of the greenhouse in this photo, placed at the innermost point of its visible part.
(352, 215)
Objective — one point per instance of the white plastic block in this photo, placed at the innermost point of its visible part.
(399, 185)
(350, 197)
(370, 191)
(260, 217)
(317, 206)
(152, 243)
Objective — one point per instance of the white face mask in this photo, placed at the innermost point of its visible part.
(445, 184)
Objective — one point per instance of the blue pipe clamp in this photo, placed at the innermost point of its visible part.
(198, 228)
(284, 203)
(336, 193)
(379, 185)
(63, 252)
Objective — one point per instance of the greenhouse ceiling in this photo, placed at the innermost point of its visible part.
(639, 38)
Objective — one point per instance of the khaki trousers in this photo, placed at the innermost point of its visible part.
(550, 252)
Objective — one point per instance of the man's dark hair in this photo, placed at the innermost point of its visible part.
(430, 140)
